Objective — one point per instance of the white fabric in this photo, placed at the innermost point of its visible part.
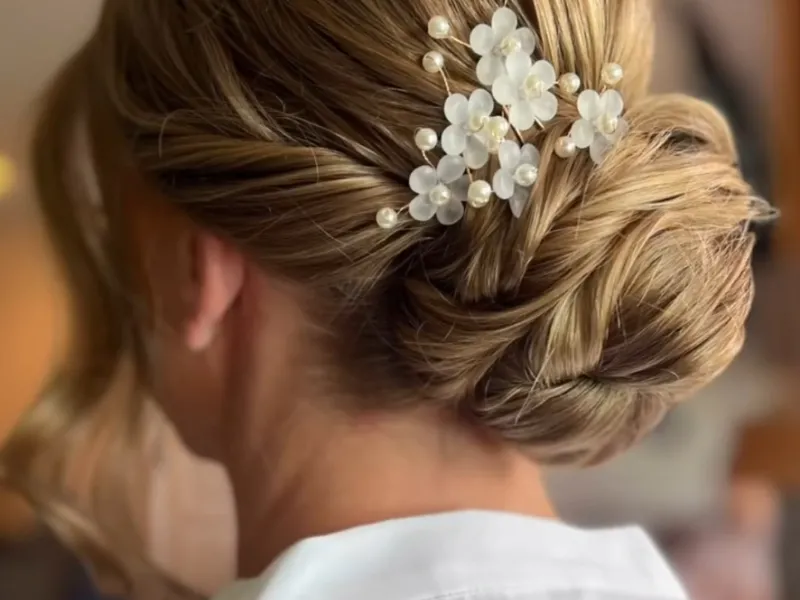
(467, 556)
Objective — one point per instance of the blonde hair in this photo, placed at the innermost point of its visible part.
(285, 126)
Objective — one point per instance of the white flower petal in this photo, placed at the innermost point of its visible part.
(451, 213)
(505, 91)
(545, 71)
(490, 67)
(527, 38)
(503, 184)
(521, 115)
(421, 209)
(599, 148)
(481, 103)
(530, 155)
(519, 201)
(454, 140)
(481, 40)
(582, 133)
(423, 179)
(509, 155)
(545, 107)
(460, 189)
(456, 109)
(518, 65)
(611, 103)
(476, 155)
(450, 168)
(504, 22)
(589, 105)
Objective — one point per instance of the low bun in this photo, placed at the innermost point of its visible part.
(623, 288)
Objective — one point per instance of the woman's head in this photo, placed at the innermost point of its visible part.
(253, 142)
(242, 150)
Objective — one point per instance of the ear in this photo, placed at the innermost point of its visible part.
(217, 281)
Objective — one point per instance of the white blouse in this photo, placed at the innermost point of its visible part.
(467, 556)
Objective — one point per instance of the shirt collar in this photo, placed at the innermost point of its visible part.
(455, 555)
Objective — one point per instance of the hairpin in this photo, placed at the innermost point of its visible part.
(517, 95)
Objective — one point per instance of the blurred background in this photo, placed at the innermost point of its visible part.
(717, 483)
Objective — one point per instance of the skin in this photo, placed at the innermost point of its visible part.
(235, 371)
(193, 542)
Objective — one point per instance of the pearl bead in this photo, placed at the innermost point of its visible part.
(608, 124)
(433, 62)
(440, 195)
(386, 218)
(565, 147)
(479, 194)
(526, 175)
(510, 45)
(476, 122)
(439, 27)
(498, 128)
(612, 74)
(426, 139)
(533, 87)
(569, 83)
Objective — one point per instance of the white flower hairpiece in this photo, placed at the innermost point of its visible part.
(601, 123)
(479, 126)
(519, 170)
(466, 135)
(437, 193)
(500, 40)
(524, 89)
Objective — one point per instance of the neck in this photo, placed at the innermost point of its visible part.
(322, 474)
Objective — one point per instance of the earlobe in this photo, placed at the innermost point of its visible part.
(198, 337)
(218, 274)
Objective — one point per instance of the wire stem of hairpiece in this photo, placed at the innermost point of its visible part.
(469, 174)
(427, 158)
(446, 83)
(460, 42)
(516, 131)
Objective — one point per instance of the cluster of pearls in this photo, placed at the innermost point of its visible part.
(534, 87)
(510, 45)
(475, 132)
